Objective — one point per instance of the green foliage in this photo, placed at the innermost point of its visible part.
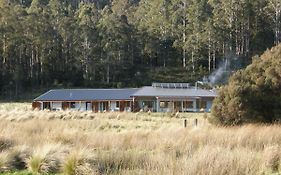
(17, 173)
(253, 94)
(104, 43)
(35, 164)
(70, 165)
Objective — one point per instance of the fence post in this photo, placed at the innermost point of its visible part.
(196, 122)
(185, 123)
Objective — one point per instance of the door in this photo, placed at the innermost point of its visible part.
(177, 106)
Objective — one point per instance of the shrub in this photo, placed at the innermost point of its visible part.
(253, 94)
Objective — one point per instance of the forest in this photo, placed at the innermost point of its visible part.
(127, 43)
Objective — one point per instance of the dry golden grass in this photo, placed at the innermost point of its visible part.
(72, 142)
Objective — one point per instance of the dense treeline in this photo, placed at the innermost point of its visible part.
(115, 43)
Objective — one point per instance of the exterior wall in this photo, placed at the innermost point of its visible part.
(65, 105)
(177, 105)
(36, 105)
(135, 106)
(152, 104)
(95, 106)
(122, 106)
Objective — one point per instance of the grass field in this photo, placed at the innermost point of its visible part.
(69, 142)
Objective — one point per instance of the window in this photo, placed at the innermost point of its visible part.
(148, 104)
(89, 106)
(46, 105)
(127, 104)
(188, 104)
(202, 104)
(164, 104)
(72, 105)
(117, 104)
(56, 105)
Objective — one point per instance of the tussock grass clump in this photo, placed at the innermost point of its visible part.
(17, 157)
(79, 163)
(14, 159)
(46, 159)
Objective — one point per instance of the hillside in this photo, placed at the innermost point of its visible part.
(127, 43)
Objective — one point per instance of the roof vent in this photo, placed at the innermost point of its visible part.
(171, 85)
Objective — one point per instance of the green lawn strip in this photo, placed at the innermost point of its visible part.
(23, 173)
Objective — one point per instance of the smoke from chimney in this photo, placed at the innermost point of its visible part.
(224, 71)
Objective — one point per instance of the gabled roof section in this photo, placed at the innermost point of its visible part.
(149, 91)
(86, 94)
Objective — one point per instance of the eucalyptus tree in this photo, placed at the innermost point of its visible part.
(114, 36)
(88, 17)
(180, 22)
(153, 18)
(273, 11)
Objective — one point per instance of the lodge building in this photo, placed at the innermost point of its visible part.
(160, 97)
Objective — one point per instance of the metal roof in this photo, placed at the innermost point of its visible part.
(149, 91)
(86, 94)
(121, 94)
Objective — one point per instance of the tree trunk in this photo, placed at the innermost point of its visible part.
(214, 58)
(107, 71)
(209, 52)
(184, 36)
(192, 60)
